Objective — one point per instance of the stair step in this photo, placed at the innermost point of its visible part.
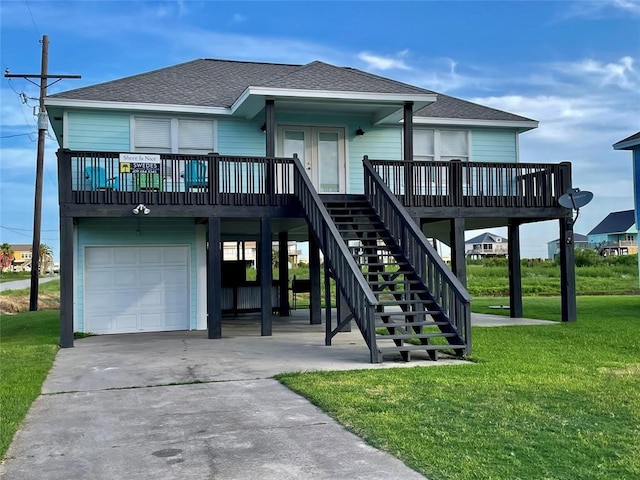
(393, 282)
(409, 336)
(391, 303)
(421, 323)
(413, 348)
(420, 313)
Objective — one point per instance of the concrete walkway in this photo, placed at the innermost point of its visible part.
(109, 409)
(20, 284)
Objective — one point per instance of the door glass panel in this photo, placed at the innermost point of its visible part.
(294, 143)
(328, 162)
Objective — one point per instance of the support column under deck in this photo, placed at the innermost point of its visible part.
(266, 277)
(567, 271)
(283, 275)
(66, 282)
(515, 271)
(314, 275)
(214, 280)
(458, 264)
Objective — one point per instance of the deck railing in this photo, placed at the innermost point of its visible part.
(474, 184)
(174, 179)
(446, 289)
(349, 279)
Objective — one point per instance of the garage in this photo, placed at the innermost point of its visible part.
(136, 289)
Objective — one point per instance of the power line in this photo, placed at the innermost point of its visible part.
(32, 19)
(19, 135)
(26, 229)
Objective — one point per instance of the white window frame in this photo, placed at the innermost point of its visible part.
(437, 144)
(174, 132)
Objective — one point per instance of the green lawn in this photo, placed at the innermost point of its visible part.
(28, 344)
(541, 402)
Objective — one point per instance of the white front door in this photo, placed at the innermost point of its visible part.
(136, 289)
(322, 153)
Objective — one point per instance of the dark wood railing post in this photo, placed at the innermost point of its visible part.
(270, 123)
(408, 154)
(455, 183)
(214, 178)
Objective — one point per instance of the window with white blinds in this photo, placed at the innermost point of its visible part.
(195, 136)
(167, 135)
(423, 144)
(445, 145)
(454, 145)
(152, 135)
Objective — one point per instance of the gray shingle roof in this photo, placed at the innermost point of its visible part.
(487, 237)
(615, 222)
(218, 83)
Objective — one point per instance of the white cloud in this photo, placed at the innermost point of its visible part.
(599, 9)
(377, 62)
(238, 18)
(621, 74)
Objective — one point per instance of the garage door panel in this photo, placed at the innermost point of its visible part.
(174, 256)
(150, 277)
(99, 256)
(124, 256)
(150, 255)
(174, 320)
(136, 289)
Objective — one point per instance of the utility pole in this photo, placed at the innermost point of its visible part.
(43, 126)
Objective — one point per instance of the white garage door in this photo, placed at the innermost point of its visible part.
(136, 289)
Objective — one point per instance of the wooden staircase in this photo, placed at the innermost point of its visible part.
(407, 317)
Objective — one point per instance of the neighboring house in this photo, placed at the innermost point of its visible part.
(486, 245)
(21, 257)
(247, 251)
(617, 234)
(553, 247)
(633, 143)
(157, 170)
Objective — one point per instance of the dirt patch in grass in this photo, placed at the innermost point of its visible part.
(20, 303)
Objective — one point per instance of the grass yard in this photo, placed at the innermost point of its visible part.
(541, 402)
(28, 344)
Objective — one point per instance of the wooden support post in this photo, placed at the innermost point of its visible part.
(458, 263)
(515, 271)
(314, 275)
(283, 275)
(567, 271)
(407, 129)
(66, 282)
(266, 276)
(214, 279)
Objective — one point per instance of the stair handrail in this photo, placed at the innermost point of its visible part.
(445, 287)
(348, 277)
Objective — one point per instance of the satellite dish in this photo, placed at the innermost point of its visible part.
(575, 198)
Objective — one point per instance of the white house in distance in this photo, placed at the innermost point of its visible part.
(486, 245)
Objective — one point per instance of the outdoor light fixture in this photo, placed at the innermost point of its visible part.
(263, 127)
(359, 131)
(141, 209)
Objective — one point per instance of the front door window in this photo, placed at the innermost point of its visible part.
(322, 153)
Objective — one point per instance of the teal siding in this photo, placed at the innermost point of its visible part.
(134, 231)
(98, 131)
(236, 137)
(379, 143)
(494, 146)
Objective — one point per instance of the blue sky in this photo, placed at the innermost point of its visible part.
(573, 66)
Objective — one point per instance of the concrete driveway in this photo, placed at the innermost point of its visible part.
(179, 406)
